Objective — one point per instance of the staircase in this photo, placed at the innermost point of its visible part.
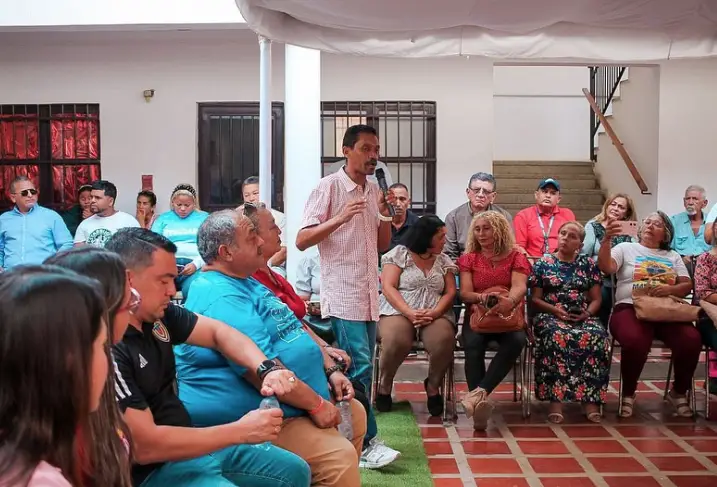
(579, 188)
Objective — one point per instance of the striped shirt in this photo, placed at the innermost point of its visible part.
(349, 256)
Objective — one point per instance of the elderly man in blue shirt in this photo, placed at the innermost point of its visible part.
(689, 238)
(215, 391)
(30, 233)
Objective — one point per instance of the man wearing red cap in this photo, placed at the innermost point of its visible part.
(536, 228)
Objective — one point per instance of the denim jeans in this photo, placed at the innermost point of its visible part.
(183, 282)
(358, 339)
(245, 465)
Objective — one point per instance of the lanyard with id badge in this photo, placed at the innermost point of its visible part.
(546, 235)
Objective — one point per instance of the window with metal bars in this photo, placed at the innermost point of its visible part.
(56, 145)
(407, 133)
(229, 152)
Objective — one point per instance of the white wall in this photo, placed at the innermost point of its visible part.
(160, 137)
(78, 13)
(635, 119)
(185, 68)
(688, 131)
(462, 89)
(540, 113)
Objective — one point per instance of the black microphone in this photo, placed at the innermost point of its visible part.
(381, 178)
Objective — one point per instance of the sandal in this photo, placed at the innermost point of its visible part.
(627, 406)
(556, 418)
(681, 405)
(476, 406)
(593, 416)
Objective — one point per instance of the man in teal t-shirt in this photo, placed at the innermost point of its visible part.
(216, 391)
(212, 388)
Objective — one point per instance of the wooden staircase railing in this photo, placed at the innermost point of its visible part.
(617, 143)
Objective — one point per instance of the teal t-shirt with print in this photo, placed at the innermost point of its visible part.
(181, 231)
(212, 387)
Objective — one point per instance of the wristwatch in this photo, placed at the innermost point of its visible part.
(267, 366)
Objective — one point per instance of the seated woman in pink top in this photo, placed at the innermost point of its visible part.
(53, 369)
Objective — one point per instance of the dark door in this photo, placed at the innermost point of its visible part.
(229, 152)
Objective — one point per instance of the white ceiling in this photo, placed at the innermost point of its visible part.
(599, 30)
(84, 14)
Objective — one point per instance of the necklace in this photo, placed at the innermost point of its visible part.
(428, 256)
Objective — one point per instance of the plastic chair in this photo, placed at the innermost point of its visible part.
(692, 398)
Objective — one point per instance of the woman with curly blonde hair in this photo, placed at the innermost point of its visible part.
(493, 279)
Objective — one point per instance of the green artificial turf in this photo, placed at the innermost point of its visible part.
(400, 431)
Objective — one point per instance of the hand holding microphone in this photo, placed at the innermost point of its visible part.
(381, 178)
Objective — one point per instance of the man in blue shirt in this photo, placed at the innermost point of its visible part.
(689, 238)
(30, 233)
(216, 391)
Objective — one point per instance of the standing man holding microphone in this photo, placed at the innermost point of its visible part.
(349, 218)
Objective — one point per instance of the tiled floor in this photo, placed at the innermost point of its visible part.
(653, 448)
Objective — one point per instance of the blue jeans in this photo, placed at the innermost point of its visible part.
(243, 465)
(183, 282)
(358, 339)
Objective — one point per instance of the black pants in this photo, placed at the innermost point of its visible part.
(606, 305)
(510, 345)
(360, 395)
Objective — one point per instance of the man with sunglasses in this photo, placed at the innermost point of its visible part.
(481, 194)
(30, 233)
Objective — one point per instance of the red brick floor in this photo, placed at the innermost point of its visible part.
(653, 448)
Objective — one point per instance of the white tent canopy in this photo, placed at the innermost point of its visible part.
(559, 30)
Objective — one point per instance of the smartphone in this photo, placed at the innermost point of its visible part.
(180, 268)
(628, 228)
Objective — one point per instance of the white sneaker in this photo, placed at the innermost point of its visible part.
(377, 455)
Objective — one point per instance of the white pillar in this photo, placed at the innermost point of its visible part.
(302, 140)
(265, 142)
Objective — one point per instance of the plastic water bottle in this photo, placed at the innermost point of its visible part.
(270, 402)
(346, 427)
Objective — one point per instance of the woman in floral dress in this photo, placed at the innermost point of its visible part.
(572, 359)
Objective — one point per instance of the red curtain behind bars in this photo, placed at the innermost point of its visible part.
(18, 137)
(73, 136)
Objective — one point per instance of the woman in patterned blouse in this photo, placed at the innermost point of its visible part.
(419, 286)
(572, 348)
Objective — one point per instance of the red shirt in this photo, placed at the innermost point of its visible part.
(529, 234)
(284, 291)
(487, 273)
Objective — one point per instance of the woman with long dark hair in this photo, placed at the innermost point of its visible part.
(53, 369)
(106, 460)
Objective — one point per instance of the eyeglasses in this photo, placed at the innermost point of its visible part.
(27, 192)
(481, 191)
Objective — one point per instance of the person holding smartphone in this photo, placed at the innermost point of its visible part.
(618, 207)
(572, 347)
